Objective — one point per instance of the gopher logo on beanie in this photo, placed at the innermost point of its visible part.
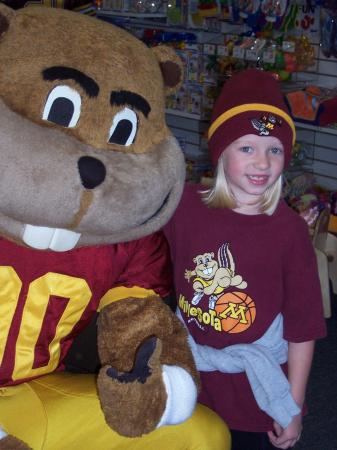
(250, 102)
(266, 124)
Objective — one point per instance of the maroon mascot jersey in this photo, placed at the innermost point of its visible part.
(47, 298)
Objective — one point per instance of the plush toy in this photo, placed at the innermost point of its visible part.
(89, 170)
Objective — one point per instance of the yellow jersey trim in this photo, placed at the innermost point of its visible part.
(251, 107)
(118, 293)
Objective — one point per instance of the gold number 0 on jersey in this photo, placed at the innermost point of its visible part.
(36, 306)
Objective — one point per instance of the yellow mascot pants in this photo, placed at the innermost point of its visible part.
(61, 411)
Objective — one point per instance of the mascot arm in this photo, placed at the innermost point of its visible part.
(152, 383)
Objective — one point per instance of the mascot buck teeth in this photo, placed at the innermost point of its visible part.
(89, 174)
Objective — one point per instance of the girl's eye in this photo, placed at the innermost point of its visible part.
(276, 151)
(246, 149)
(124, 128)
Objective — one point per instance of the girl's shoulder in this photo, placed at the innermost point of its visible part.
(191, 197)
(292, 219)
(291, 226)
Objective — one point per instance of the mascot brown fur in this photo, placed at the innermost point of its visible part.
(89, 173)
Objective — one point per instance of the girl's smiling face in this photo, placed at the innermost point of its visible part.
(252, 164)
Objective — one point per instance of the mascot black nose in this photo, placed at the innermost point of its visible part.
(92, 171)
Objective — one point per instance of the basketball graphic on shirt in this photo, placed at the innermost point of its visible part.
(236, 310)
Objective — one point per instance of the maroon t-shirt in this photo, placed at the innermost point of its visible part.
(233, 274)
(46, 297)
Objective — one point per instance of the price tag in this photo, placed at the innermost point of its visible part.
(209, 49)
(268, 56)
(222, 50)
(238, 52)
(252, 55)
(288, 46)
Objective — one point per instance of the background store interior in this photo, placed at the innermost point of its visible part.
(296, 40)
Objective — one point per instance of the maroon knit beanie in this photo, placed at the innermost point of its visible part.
(250, 102)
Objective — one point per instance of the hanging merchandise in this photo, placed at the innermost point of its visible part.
(289, 18)
(273, 9)
(208, 8)
(235, 11)
(177, 12)
(225, 7)
(250, 12)
(329, 28)
(138, 6)
(248, 7)
(308, 20)
(305, 53)
(152, 6)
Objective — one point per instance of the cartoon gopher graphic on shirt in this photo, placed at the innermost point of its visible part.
(214, 276)
(232, 311)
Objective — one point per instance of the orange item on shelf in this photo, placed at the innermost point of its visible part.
(303, 105)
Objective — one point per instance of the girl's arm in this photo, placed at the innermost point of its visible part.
(299, 364)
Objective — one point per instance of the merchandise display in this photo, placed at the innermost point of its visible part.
(309, 199)
(278, 36)
(289, 38)
(329, 28)
(313, 105)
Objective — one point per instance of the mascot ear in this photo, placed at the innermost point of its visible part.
(6, 15)
(171, 67)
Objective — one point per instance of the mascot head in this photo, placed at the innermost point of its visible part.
(86, 157)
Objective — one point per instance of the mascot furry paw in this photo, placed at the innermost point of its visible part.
(89, 173)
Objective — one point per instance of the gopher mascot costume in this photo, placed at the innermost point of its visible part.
(89, 174)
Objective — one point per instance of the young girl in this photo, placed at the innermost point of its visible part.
(245, 271)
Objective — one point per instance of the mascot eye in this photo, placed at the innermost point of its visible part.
(124, 128)
(63, 107)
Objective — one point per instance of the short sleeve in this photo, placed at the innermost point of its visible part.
(303, 306)
(149, 265)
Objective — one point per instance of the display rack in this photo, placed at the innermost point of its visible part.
(190, 128)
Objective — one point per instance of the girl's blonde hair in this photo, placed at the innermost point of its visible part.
(221, 196)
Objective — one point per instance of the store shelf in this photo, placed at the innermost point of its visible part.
(130, 15)
(155, 20)
(186, 115)
(190, 128)
(307, 126)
